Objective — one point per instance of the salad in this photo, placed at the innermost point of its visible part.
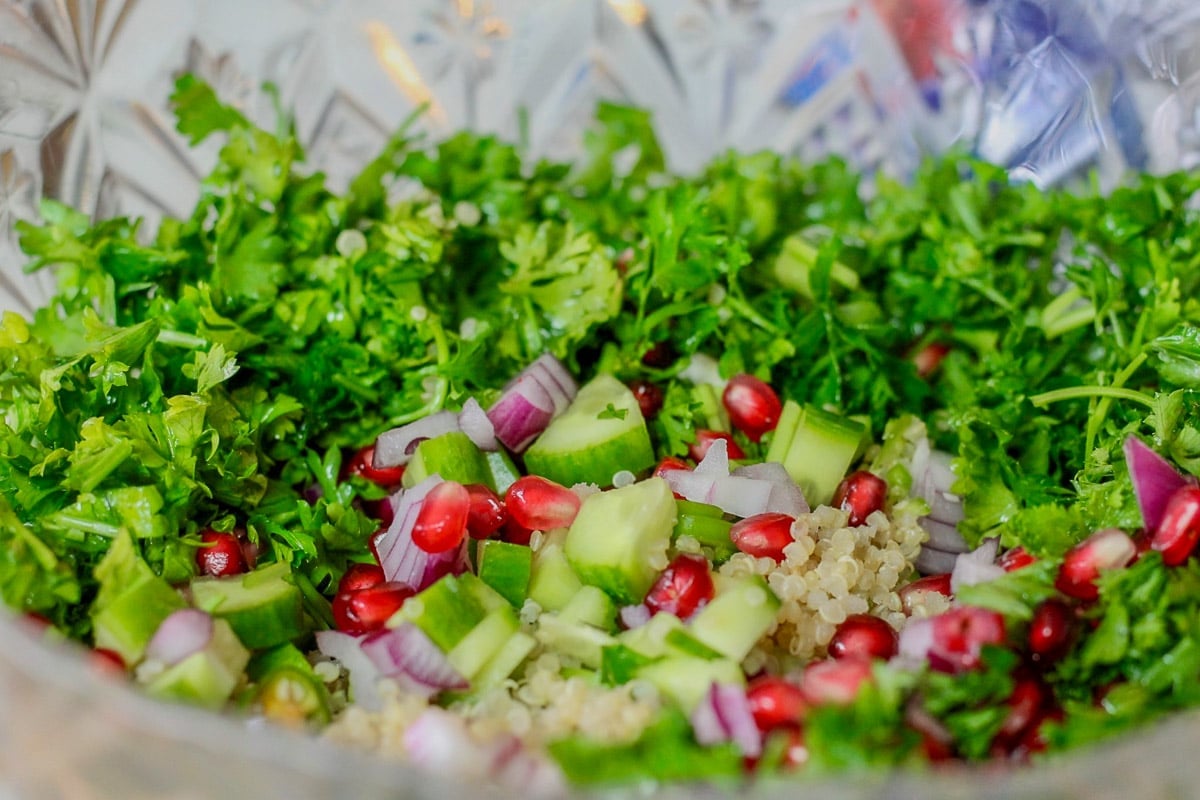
(589, 473)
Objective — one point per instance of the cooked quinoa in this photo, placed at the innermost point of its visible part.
(830, 572)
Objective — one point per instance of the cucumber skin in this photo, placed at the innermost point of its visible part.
(484, 641)
(206, 678)
(453, 456)
(552, 581)
(506, 567)
(618, 533)
(446, 611)
(263, 607)
(741, 613)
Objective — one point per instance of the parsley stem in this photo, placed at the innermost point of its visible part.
(181, 339)
(1081, 392)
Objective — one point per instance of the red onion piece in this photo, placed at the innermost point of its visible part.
(743, 497)
(364, 675)
(559, 373)
(404, 507)
(474, 422)
(634, 616)
(182, 634)
(932, 561)
(687, 484)
(557, 393)
(977, 566)
(523, 411)
(916, 640)
(786, 497)
(407, 655)
(943, 537)
(395, 447)
(716, 461)
(439, 741)
(1154, 480)
(724, 715)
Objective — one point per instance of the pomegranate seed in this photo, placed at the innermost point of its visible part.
(835, 681)
(864, 636)
(541, 505)
(361, 464)
(441, 521)
(1083, 563)
(649, 397)
(763, 535)
(1034, 740)
(861, 493)
(221, 555)
(936, 749)
(1177, 534)
(513, 533)
(959, 636)
(660, 355)
(37, 621)
(1016, 558)
(360, 576)
(775, 702)
(670, 464)
(384, 511)
(911, 594)
(795, 754)
(705, 439)
(369, 609)
(936, 740)
(486, 513)
(929, 358)
(753, 406)
(683, 588)
(1050, 630)
(107, 661)
(1024, 710)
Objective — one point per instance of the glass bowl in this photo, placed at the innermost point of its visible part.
(1051, 88)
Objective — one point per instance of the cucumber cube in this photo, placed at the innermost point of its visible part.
(506, 567)
(206, 678)
(600, 434)
(552, 582)
(743, 610)
(819, 451)
(686, 680)
(446, 611)
(619, 539)
(263, 607)
(453, 456)
(475, 649)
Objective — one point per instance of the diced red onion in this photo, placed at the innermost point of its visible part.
(916, 640)
(395, 448)
(364, 675)
(561, 375)
(402, 560)
(743, 497)
(407, 655)
(932, 561)
(523, 411)
(977, 566)
(634, 616)
(943, 536)
(439, 741)
(688, 485)
(557, 393)
(701, 369)
(474, 422)
(716, 460)
(786, 496)
(1154, 480)
(916, 715)
(724, 715)
(182, 634)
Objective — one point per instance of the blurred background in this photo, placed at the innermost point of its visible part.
(1056, 90)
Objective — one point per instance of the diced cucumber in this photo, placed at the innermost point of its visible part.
(785, 431)
(619, 538)
(795, 262)
(713, 411)
(445, 611)
(487, 597)
(686, 680)
(453, 456)
(592, 607)
(680, 642)
(552, 582)
(650, 639)
(206, 678)
(132, 601)
(502, 469)
(710, 532)
(504, 662)
(506, 567)
(478, 647)
(600, 434)
(264, 607)
(819, 452)
(284, 655)
(574, 639)
(743, 610)
(619, 664)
